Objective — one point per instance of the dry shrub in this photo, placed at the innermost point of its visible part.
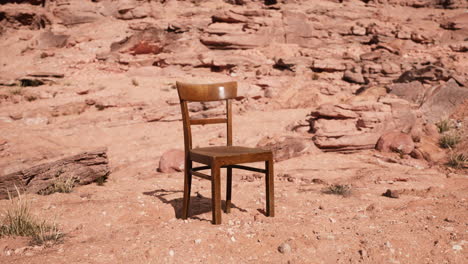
(18, 220)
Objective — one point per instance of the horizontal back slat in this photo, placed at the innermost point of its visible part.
(206, 92)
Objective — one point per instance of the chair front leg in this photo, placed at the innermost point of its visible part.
(187, 188)
(270, 188)
(216, 193)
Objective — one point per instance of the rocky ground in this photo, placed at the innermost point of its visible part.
(344, 92)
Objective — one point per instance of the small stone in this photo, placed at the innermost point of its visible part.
(233, 239)
(16, 115)
(82, 92)
(284, 248)
(391, 194)
(90, 102)
(171, 253)
(332, 220)
(198, 241)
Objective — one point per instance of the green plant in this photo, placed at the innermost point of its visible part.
(449, 140)
(60, 185)
(101, 180)
(338, 189)
(457, 160)
(443, 126)
(19, 221)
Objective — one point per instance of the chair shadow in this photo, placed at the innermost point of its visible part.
(199, 204)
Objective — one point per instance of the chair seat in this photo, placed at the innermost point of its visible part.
(229, 155)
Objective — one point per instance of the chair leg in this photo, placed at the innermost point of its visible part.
(187, 188)
(270, 189)
(216, 193)
(228, 189)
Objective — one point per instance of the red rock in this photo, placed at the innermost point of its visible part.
(395, 142)
(171, 161)
(430, 150)
(412, 91)
(353, 76)
(229, 17)
(152, 40)
(77, 12)
(48, 39)
(334, 111)
(328, 65)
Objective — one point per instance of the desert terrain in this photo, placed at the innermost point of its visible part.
(364, 103)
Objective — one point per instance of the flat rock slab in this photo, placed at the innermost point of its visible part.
(84, 168)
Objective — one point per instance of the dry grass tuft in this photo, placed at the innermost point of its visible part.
(60, 185)
(338, 189)
(443, 126)
(19, 221)
(458, 160)
(449, 140)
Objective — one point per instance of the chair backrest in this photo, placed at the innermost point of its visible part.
(203, 93)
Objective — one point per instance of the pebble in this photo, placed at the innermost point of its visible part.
(284, 248)
(171, 253)
(457, 247)
(197, 241)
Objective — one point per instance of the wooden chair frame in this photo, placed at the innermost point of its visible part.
(215, 158)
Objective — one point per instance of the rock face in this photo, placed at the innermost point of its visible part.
(84, 168)
(171, 161)
(358, 125)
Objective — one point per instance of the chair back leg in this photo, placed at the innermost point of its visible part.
(228, 189)
(269, 190)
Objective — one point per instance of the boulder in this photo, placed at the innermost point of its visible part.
(77, 12)
(171, 161)
(286, 147)
(413, 91)
(395, 142)
(152, 40)
(428, 148)
(48, 39)
(328, 65)
(83, 168)
(236, 41)
(442, 100)
(354, 76)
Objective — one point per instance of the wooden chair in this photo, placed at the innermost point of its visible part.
(218, 157)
